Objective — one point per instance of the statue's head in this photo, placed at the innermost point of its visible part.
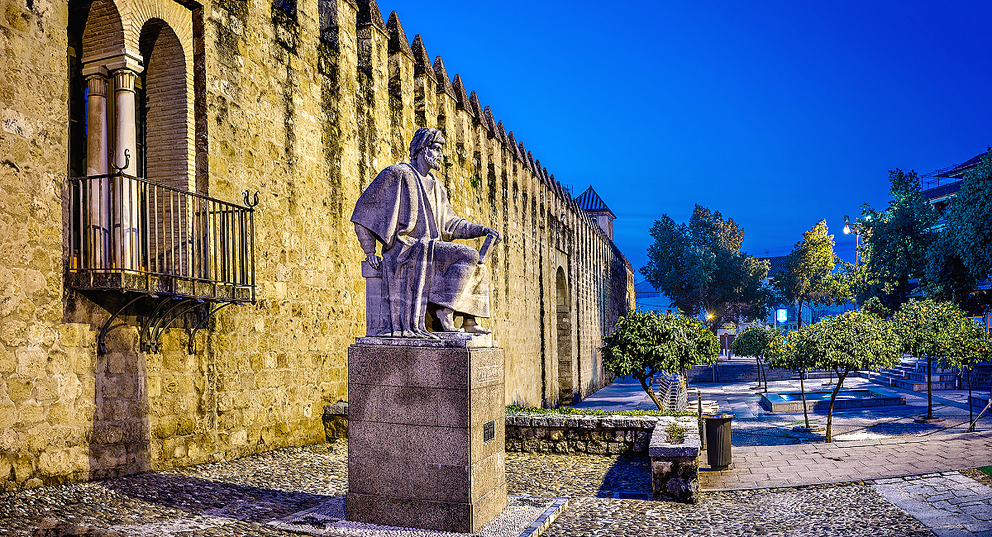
(427, 139)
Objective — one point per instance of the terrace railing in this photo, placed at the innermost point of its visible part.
(152, 242)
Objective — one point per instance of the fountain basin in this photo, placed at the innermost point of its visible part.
(820, 400)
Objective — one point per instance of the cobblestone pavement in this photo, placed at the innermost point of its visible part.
(545, 474)
(233, 498)
(239, 498)
(825, 510)
(949, 503)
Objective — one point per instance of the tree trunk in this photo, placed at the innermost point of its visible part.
(971, 414)
(929, 389)
(833, 397)
(799, 315)
(650, 390)
(802, 390)
(762, 373)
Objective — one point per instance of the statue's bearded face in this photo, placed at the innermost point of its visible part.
(432, 154)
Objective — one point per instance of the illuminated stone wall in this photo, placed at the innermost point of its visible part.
(303, 103)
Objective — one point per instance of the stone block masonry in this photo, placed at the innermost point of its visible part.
(303, 106)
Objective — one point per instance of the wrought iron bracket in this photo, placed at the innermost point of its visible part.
(161, 318)
(101, 339)
(210, 312)
(163, 312)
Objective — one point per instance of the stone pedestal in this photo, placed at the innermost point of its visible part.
(426, 432)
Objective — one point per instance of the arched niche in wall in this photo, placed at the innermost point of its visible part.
(165, 111)
(563, 339)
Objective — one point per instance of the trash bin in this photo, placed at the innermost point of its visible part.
(718, 439)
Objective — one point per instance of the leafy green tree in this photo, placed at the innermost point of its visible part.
(946, 277)
(965, 345)
(806, 279)
(922, 326)
(875, 307)
(643, 344)
(897, 239)
(756, 341)
(851, 341)
(700, 267)
(970, 219)
(960, 258)
(791, 353)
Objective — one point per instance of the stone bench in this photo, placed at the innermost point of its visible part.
(675, 467)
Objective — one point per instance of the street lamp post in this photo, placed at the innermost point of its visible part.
(856, 227)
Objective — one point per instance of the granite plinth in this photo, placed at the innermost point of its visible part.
(426, 433)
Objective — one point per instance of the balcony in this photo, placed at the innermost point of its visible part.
(165, 253)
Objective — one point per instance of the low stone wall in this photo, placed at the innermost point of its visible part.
(597, 435)
(335, 420)
(675, 467)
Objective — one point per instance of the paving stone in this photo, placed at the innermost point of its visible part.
(978, 526)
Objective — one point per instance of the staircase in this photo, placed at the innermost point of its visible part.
(743, 370)
(981, 376)
(911, 374)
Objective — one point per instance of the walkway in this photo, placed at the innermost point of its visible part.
(950, 504)
(808, 464)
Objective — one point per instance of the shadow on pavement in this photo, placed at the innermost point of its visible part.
(213, 498)
(628, 477)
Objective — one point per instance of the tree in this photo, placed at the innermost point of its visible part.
(965, 345)
(701, 268)
(756, 341)
(922, 325)
(960, 257)
(643, 344)
(785, 354)
(946, 278)
(851, 341)
(970, 219)
(897, 239)
(806, 278)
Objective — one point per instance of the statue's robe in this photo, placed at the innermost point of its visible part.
(419, 263)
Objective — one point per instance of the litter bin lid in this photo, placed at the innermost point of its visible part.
(719, 415)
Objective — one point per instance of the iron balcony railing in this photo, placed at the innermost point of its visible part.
(130, 234)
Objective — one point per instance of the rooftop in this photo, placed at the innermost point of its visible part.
(591, 202)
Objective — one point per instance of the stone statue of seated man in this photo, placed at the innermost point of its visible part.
(406, 210)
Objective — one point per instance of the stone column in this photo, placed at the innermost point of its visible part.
(96, 190)
(127, 199)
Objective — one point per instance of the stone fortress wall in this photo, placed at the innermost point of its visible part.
(303, 102)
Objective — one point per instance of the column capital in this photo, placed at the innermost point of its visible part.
(124, 80)
(97, 85)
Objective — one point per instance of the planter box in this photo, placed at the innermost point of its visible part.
(675, 467)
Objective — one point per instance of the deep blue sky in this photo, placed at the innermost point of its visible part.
(777, 114)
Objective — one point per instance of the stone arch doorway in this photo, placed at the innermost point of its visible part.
(563, 339)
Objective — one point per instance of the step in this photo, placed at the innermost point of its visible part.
(914, 386)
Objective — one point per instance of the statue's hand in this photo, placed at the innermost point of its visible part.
(494, 234)
(373, 261)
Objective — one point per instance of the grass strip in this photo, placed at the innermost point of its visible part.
(568, 411)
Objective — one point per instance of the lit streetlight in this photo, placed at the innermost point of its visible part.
(857, 227)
